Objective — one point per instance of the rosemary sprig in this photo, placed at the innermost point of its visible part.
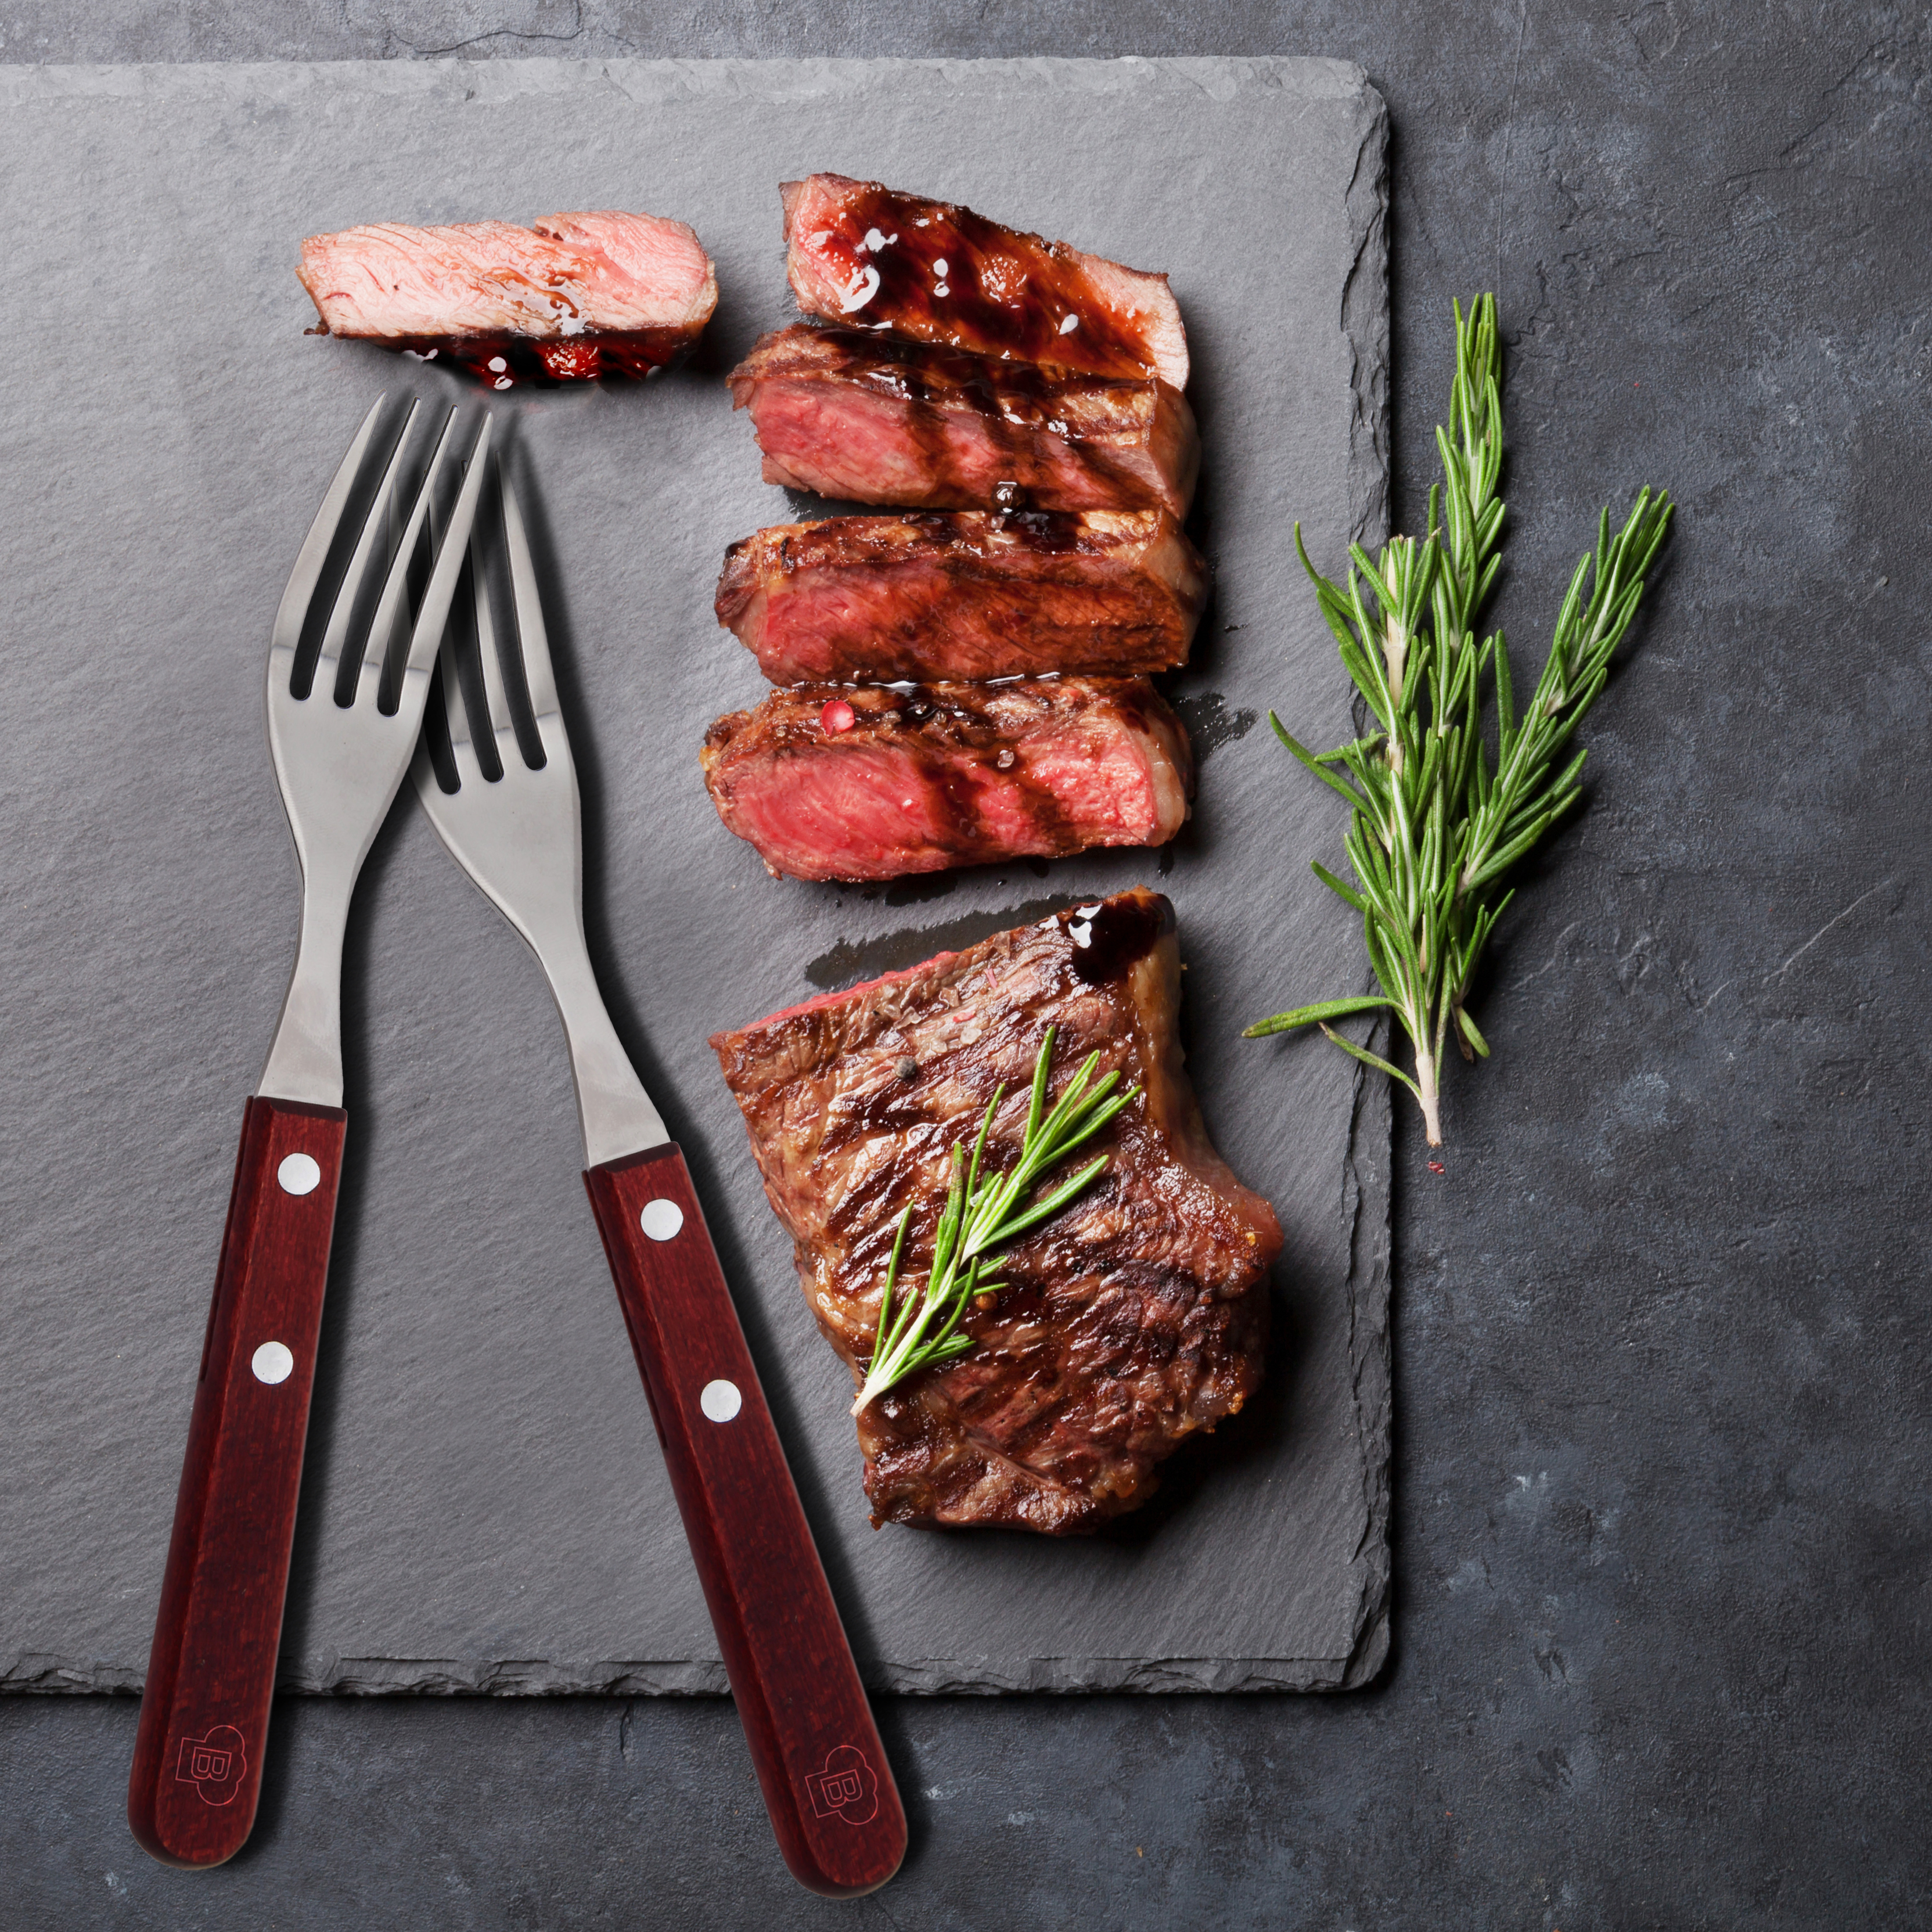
(922, 1331)
(1436, 824)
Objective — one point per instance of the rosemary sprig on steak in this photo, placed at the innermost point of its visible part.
(1436, 825)
(923, 1330)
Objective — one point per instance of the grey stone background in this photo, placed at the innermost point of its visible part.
(1661, 1522)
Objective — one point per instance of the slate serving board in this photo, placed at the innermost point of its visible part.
(484, 1507)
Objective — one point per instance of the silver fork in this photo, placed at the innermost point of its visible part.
(521, 839)
(827, 1783)
(198, 1752)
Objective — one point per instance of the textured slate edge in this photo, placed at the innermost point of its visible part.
(645, 81)
(947, 1677)
(1365, 1187)
(1365, 1197)
(1365, 1173)
(1365, 323)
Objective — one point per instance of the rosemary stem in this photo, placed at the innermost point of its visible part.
(1429, 1093)
(922, 1331)
(1437, 820)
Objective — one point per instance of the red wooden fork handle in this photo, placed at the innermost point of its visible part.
(204, 1725)
(827, 1783)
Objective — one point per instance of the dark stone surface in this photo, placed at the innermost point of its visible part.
(1661, 1519)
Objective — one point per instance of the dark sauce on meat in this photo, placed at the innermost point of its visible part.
(926, 372)
(1051, 532)
(505, 362)
(929, 372)
(1121, 933)
(1002, 289)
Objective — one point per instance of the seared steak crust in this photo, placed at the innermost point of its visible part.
(964, 595)
(852, 413)
(832, 781)
(862, 254)
(569, 298)
(1136, 1317)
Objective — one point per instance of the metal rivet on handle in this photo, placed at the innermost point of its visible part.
(299, 1174)
(720, 1400)
(272, 1362)
(660, 1219)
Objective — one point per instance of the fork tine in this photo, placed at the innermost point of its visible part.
(391, 608)
(484, 619)
(433, 612)
(314, 552)
(539, 681)
(462, 745)
(487, 645)
(375, 534)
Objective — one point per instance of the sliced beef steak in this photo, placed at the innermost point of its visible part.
(860, 252)
(964, 594)
(1134, 1318)
(570, 298)
(831, 782)
(850, 412)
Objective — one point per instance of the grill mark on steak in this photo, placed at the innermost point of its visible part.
(841, 781)
(864, 254)
(572, 298)
(1134, 1318)
(856, 414)
(966, 595)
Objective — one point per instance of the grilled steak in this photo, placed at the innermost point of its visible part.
(831, 782)
(964, 595)
(860, 253)
(1133, 1317)
(570, 297)
(851, 413)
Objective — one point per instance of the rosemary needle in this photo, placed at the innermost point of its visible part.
(923, 1330)
(1435, 825)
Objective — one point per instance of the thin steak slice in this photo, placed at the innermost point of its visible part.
(861, 253)
(1134, 1318)
(831, 781)
(964, 594)
(851, 413)
(570, 298)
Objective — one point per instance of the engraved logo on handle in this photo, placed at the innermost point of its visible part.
(848, 1788)
(213, 1764)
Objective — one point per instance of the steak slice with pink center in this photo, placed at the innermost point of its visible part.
(964, 595)
(1133, 1319)
(570, 297)
(853, 413)
(831, 781)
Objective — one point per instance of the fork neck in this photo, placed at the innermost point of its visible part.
(305, 1062)
(615, 1112)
